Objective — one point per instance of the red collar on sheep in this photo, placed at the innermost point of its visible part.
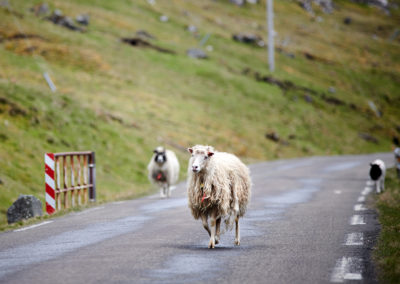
(204, 194)
(204, 197)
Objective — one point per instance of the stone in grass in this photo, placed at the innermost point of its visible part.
(347, 20)
(59, 19)
(273, 136)
(249, 39)
(164, 18)
(196, 53)
(25, 207)
(83, 19)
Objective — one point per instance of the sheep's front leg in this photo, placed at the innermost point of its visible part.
(213, 224)
(217, 233)
(236, 203)
(237, 237)
(204, 219)
(378, 186)
(162, 192)
(168, 189)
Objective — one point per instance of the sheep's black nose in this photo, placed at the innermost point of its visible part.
(195, 168)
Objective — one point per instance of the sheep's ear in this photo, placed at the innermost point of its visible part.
(210, 154)
(155, 151)
(190, 150)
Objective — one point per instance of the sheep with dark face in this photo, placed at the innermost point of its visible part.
(377, 174)
(219, 187)
(163, 170)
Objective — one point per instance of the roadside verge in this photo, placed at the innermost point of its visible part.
(387, 250)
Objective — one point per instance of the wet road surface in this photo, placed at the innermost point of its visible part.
(308, 222)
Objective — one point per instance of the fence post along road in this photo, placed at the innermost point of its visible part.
(78, 177)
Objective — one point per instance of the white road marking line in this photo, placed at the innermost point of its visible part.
(347, 268)
(354, 239)
(33, 226)
(338, 191)
(361, 199)
(357, 220)
(359, 207)
(352, 276)
(366, 191)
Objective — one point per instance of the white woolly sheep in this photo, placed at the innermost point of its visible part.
(219, 187)
(163, 170)
(377, 173)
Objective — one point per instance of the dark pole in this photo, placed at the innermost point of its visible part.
(92, 177)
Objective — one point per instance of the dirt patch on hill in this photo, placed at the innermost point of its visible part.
(286, 86)
(30, 44)
(141, 43)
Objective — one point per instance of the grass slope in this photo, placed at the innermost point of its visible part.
(122, 101)
(387, 253)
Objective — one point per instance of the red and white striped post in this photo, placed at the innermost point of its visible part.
(50, 184)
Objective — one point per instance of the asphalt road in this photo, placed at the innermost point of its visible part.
(308, 222)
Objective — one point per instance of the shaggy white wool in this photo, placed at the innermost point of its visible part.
(215, 186)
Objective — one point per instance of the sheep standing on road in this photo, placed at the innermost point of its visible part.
(163, 170)
(219, 187)
(377, 173)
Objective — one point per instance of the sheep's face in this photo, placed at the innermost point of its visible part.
(160, 156)
(375, 172)
(200, 157)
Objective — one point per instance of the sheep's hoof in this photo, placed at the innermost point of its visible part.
(211, 245)
(216, 240)
(237, 242)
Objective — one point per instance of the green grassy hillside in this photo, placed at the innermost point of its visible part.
(121, 100)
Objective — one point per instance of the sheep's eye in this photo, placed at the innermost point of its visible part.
(206, 157)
